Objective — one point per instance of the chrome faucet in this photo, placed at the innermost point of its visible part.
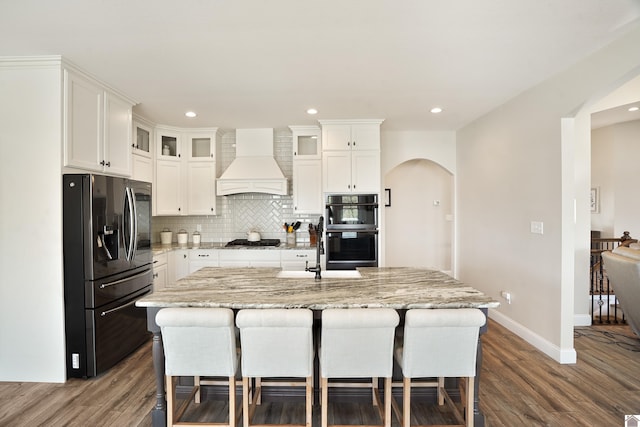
(319, 250)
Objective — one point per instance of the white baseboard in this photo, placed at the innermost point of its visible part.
(581, 320)
(563, 356)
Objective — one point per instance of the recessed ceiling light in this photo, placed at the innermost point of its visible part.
(436, 110)
(190, 114)
(312, 111)
(634, 109)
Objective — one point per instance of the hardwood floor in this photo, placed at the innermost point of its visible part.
(519, 387)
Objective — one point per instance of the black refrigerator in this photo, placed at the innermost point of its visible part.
(107, 267)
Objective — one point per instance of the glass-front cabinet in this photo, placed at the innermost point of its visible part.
(201, 146)
(142, 139)
(307, 142)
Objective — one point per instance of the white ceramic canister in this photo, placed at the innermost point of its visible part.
(165, 236)
(183, 237)
(196, 238)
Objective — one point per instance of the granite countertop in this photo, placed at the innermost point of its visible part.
(399, 288)
(158, 248)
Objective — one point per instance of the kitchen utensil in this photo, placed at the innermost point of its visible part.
(296, 225)
(253, 236)
(165, 236)
(183, 237)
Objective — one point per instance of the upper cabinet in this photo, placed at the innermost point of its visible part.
(341, 135)
(97, 127)
(351, 156)
(307, 142)
(186, 171)
(142, 161)
(307, 169)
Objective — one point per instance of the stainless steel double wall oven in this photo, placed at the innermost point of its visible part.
(352, 231)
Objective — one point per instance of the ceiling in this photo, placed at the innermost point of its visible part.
(257, 63)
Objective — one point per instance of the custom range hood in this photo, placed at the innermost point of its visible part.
(254, 169)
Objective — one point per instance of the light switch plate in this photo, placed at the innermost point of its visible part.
(537, 227)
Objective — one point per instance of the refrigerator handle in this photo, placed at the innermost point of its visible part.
(134, 222)
(132, 218)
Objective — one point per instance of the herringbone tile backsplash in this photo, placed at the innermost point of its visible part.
(240, 213)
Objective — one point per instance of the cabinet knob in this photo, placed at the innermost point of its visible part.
(102, 163)
(354, 143)
(108, 164)
(155, 275)
(184, 256)
(348, 144)
(212, 209)
(179, 209)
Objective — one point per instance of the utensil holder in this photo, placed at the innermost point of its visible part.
(291, 239)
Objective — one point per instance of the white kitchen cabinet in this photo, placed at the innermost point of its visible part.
(307, 142)
(97, 127)
(347, 135)
(297, 259)
(160, 271)
(249, 258)
(307, 169)
(351, 172)
(142, 168)
(351, 156)
(186, 171)
(199, 258)
(178, 265)
(141, 149)
(307, 186)
(168, 188)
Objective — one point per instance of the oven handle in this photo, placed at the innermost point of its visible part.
(126, 279)
(129, 304)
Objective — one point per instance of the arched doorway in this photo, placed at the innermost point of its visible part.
(419, 222)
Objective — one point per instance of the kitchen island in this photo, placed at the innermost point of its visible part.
(237, 288)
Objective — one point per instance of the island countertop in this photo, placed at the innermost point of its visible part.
(392, 287)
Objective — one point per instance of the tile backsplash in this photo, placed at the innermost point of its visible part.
(240, 213)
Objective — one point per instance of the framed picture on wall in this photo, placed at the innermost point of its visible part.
(595, 200)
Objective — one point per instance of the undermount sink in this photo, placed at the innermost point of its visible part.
(326, 274)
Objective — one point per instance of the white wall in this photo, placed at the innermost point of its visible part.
(615, 171)
(31, 285)
(419, 222)
(517, 164)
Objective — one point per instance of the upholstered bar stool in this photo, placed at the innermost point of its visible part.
(198, 342)
(358, 343)
(276, 344)
(440, 343)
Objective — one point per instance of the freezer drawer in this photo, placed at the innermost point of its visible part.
(113, 332)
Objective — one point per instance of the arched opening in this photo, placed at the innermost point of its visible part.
(419, 220)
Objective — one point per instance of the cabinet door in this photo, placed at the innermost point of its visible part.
(336, 171)
(336, 137)
(83, 133)
(201, 188)
(117, 136)
(142, 139)
(159, 277)
(141, 168)
(178, 263)
(168, 188)
(307, 186)
(200, 147)
(168, 145)
(365, 137)
(365, 171)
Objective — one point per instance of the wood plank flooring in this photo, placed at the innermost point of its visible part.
(519, 387)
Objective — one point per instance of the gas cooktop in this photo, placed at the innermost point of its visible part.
(262, 242)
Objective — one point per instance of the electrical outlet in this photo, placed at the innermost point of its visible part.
(198, 227)
(506, 295)
(75, 361)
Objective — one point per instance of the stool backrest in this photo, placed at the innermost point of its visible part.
(441, 342)
(358, 342)
(198, 341)
(276, 342)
